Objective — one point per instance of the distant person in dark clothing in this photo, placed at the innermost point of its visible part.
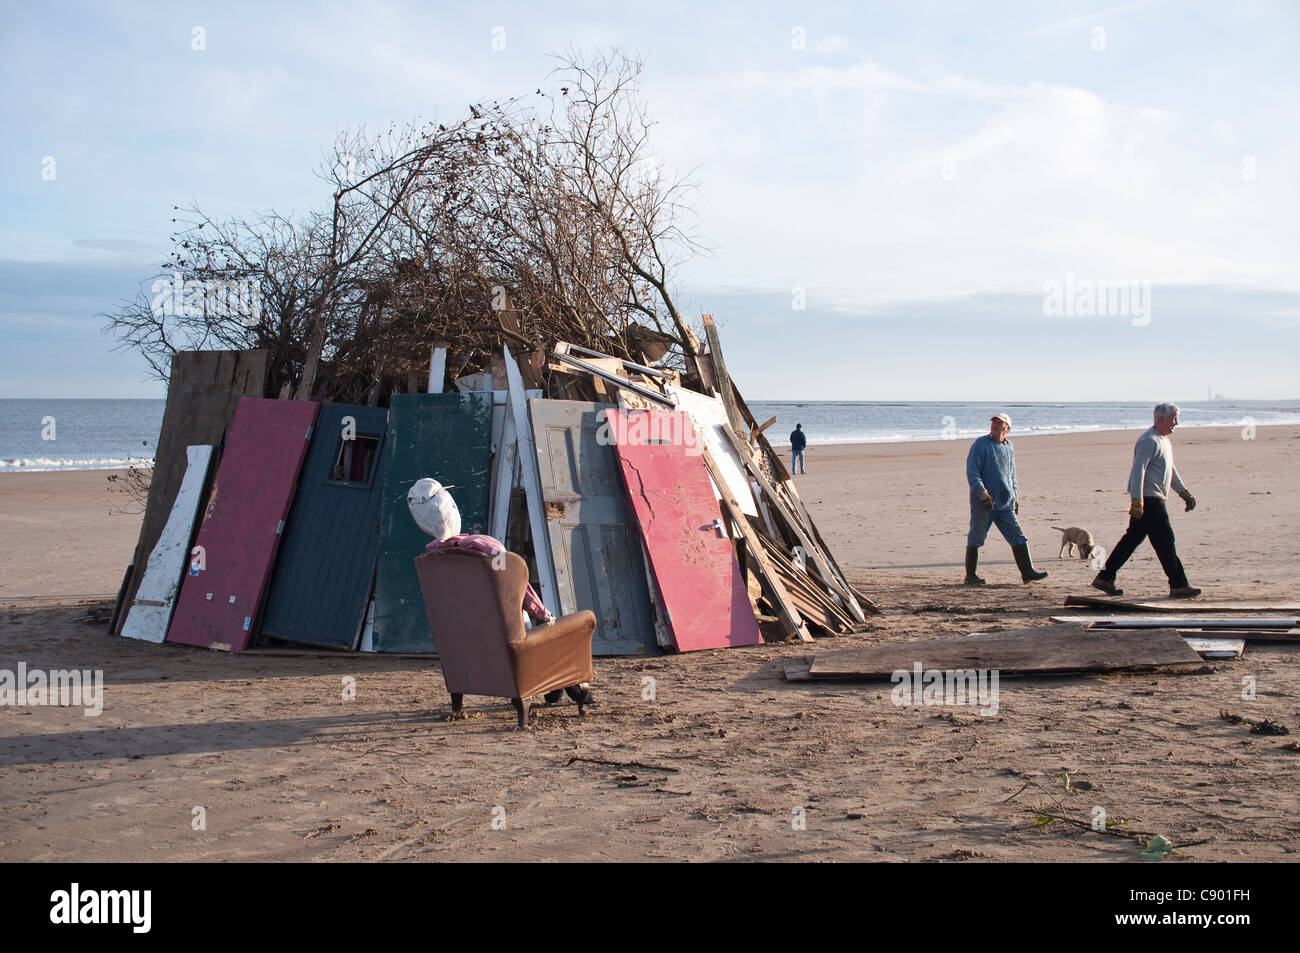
(798, 440)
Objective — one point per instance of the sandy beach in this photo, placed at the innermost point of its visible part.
(705, 756)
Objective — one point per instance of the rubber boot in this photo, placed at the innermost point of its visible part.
(1027, 571)
(972, 561)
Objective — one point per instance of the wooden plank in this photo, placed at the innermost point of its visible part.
(710, 419)
(757, 492)
(1179, 606)
(1249, 635)
(720, 372)
(437, 369)
(704, 594)
(531, 480)
(1180, 622)
(505, 471)
(151, 612)
(775, 590)
(1215, 648)
(1045, 650)
(590, 531)
(592, 369)
(836, 583)
(563, 347)
(241, 526)
(203, 391)
(756, 432)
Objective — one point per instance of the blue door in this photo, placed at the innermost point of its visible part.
(331, 539)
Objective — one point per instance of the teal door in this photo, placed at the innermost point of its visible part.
(447, 437)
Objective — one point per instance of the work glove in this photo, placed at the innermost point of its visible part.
(1189, 500)
(1135, 509)
(986, 500)
(1015, 506)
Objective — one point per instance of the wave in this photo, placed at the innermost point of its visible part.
(1044, 430)
(53, 464)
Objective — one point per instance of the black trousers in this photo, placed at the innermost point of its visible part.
(1153, 525)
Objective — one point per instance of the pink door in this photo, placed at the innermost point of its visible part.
(699, 580)
(224, 584)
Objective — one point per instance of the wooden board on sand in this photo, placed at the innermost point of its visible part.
(1044, 650)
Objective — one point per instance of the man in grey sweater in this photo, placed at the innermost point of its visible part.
(1149, 482)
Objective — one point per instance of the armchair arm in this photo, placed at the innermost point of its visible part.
(554, 656)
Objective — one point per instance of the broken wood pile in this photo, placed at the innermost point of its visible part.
(643, 490)
(789, 574)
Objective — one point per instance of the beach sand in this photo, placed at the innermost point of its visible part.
(726, 760)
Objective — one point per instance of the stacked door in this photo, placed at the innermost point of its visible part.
(594, 544)
(447, 437)
(327, 558)
(237, 540)
(672, 499)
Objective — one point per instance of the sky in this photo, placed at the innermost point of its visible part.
(897, 199)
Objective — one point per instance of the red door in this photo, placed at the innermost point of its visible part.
(250, 499)
(699, 580)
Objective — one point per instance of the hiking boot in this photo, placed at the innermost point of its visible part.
(1184, 592)
(1107, 586)
(1026, 565)
(972, 561)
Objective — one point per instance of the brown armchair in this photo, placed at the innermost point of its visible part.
(476, 615)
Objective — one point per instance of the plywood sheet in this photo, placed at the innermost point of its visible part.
(1180, 622)
(1180, 606)
(1044, 650)
(694, 566)
(155, 600)
(241, 527)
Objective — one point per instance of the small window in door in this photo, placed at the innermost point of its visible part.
(355, 461)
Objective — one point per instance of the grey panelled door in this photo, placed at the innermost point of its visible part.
(595, 545)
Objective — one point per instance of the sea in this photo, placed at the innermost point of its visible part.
(51, 435)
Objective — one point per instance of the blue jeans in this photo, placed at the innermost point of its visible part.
(981, 519)
(796, 457)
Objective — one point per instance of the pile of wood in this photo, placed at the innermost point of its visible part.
(791, 575)
(520, 445)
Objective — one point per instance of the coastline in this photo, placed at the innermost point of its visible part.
(884, 504)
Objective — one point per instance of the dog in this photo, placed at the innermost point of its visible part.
(1072, 537)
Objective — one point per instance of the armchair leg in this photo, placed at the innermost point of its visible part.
(521, 706)
(458, 703)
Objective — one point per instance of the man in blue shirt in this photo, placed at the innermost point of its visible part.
(1152, 477)
(798, 440)
(991, 473)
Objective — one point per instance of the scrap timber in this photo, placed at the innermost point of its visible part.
(1044, 650)
(690, 537)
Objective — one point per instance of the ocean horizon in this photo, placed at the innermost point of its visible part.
(57, 434)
